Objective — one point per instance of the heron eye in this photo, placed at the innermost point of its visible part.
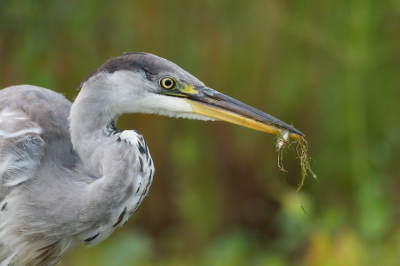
(167, 83)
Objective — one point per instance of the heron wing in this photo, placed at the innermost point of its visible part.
(32, 121)
(35, 147)
(20, 147)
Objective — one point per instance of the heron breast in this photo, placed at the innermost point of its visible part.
(141, 184)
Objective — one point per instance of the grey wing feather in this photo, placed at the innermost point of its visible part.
(34, 135)
(27, 117)
(20, 149)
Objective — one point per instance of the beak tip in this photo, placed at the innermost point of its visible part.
(295, 132)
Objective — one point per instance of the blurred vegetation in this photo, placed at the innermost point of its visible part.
(329, 67)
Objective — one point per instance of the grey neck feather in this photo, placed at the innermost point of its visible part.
(90, 117)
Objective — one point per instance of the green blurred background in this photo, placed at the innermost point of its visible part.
(329, 67)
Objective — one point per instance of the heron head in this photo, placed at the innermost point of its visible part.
(145, 83)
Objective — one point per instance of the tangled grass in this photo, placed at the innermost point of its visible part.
(300, 146)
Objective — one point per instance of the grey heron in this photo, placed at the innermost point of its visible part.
(69, 176)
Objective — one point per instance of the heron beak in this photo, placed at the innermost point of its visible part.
(208, 102)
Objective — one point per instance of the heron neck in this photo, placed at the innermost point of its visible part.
(90, 116)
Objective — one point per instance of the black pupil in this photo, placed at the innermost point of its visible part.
(168, 83)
